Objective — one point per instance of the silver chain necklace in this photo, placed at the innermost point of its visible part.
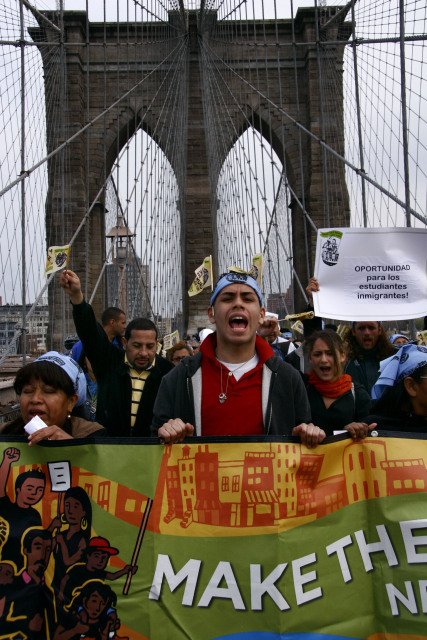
(223, 395)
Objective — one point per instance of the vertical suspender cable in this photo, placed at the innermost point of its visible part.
(23, 185)
(276, 192)
(404, 112)
(104, 142)
(87, 230)
(358, 114)
(62, 117)
(128, 267)
(405, 128)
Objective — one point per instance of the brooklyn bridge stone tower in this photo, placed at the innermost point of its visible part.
(96, 75)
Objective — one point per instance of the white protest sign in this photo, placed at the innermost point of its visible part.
(60, 475)
(371, 274)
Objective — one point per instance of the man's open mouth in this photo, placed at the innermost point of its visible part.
(238, 324)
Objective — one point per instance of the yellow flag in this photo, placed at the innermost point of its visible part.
(204, 277)
(257, 268)
(170, 340)
(237, 270)
(305, 315)
(57, 258)
(255, 271)
(298, 327)
(342, 330)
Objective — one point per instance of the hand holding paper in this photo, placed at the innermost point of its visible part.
(34, 425)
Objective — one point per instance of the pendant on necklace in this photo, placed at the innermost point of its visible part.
(222, 398)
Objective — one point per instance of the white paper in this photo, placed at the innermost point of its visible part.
(60, 475)
(35, 424)
(371, 274)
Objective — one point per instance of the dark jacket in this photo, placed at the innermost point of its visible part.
(364, 371)
(351, 406)
(114, 384)
(399, 421)
(285, 396)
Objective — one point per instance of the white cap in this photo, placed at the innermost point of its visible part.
(204, 334)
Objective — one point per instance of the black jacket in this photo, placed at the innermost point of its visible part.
(399, 421)
(366, 371)
(286, 399)
(349, 407)
(114, 384)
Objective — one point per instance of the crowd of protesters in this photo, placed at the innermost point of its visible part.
(248, 377)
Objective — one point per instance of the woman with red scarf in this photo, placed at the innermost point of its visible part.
(336, 402)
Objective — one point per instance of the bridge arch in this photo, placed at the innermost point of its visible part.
(147, 193)
(252, 214)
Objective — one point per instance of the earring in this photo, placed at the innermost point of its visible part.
(68, 415)
(83, 524)
(63, 518)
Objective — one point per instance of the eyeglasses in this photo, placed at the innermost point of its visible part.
(178, 358)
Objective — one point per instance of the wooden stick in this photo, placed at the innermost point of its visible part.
(138, 544)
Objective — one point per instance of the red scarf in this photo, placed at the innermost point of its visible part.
(330, 389)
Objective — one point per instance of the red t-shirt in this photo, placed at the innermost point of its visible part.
(241, 413)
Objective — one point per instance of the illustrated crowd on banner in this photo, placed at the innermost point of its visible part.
(76, 598)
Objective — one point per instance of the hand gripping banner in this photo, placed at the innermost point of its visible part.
(211, 540)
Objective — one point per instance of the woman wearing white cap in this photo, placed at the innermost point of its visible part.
(50, 388)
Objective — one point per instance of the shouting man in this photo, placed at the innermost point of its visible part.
(234, 385)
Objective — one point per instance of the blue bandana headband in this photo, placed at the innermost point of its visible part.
(236, 278)
(395, 336)
(393, 370)
(72, 369)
